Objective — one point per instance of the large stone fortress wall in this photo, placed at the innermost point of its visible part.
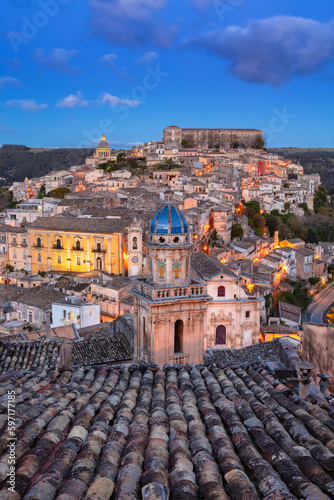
(210, 138)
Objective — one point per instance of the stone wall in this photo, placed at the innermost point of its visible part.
(124, 325)
(318, 348)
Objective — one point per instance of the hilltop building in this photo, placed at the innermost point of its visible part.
(210, 138)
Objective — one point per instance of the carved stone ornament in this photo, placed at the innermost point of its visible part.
(161, 320)
(247, 325)
(221, 317)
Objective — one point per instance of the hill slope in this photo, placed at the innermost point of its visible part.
(19, 162)
(315, 161)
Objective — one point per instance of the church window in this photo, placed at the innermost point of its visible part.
(38, 242)
(162, 240)
(59, 259)
(134, 243)
(247, 314)
(221, 291)
(77, 245)
(178, 336)
(176, 239)
(39, 257)
(58, 243)
(78, 261)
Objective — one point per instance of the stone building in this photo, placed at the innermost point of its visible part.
(221, 221)
(169, 306)
(210, 138)
(232, 316)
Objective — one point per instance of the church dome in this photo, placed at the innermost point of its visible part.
(103, 144)
(169, 220)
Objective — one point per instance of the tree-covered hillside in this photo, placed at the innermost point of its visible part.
(19, 162)
(315, 161)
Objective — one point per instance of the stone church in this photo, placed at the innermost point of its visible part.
(187, 302)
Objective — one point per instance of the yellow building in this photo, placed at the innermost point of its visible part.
(103, 149)
(76, 244)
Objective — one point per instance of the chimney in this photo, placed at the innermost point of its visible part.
(304, 379)
(48, 328)
(65, 354)
(323, 382)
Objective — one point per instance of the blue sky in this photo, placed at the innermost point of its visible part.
(74, 69)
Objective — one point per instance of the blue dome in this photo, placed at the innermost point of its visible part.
(169, 220)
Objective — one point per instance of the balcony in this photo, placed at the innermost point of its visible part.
(99, 250)
(75, 249)
(57, 247)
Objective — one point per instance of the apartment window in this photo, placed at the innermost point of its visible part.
(14, 241)
(59, 259)
(78, 261)
(14, 254)
(38, 242)
(77, 245)
(39, 257)
(58, 243)
(247, 314)
(24, 255)
(98, 247)
(64, 314)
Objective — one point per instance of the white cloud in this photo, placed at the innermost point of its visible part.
(29, 105)
(8, 80)
(147, 58)
(272, 50)
(57, 59)
(131, 22)
(73, 101)
(109, 60)
(117, 102)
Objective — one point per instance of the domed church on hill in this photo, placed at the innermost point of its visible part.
(103, 149)
(169, 305)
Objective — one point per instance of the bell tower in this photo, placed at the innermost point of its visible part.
(135, 248)
(169, 305)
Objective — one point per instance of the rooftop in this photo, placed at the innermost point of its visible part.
(217, 432)
(208, 266)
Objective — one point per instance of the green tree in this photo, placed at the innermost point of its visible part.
(184, 143)
(259, 143)
(320, 199)
(273, 224)
(286, 205)
(121, 157)
(235, 145)
(59, 192)
(236, 231)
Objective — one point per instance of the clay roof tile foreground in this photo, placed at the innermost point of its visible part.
(129, 432)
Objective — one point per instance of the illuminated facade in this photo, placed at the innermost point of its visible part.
(103, 149)
(70, 244)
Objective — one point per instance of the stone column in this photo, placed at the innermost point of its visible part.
(109, 265)
(29, 253)
(68, 254)
(49, 253)
(88, 254)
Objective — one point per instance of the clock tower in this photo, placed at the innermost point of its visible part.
(135, 249)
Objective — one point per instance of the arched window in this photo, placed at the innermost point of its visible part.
(134, 243)
(78, 261)
(77, 245)
(221, 291)
(178, 336)
(38, 242)
(58, 243)
(39, 257)
(220, 335)
(59, 259)
(24, 254)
